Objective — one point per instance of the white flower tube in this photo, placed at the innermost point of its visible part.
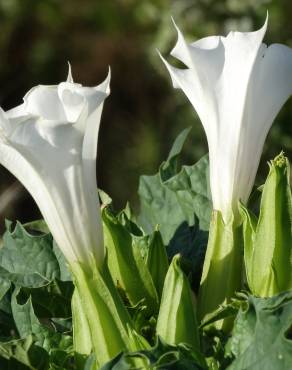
(49, 143)
(237, 85)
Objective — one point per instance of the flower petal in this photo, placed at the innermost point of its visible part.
(217, 83)
(49, 143)
(46, 157)
(43, 101)
(270, 87)
(89, 148)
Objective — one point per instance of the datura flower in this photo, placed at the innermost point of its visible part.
(49, 143)
(237, 85)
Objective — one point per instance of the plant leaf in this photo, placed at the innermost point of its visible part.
(27, 260)
(180, 203)
(261, 338)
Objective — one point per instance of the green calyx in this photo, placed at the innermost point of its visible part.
(127, 267)
(110, 326)
(157, 261)
(268, 239)
(221, 277)
(176, 321)
(81, 331)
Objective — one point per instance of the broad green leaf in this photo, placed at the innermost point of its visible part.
(172, 196)
(179, 202)
(65, 274)
(190, 242)
(170, 166)
(4, 287)
(25, 319)
(191, 187)
(53, 300)
(22, 355)
(41, 227)
(7, 325)
(27, 324)
(261, 338)
(5, 303)
(27, 260)
(159, 206)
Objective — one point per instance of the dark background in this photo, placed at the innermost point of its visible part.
(143, 114)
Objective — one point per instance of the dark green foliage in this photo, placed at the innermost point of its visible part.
(161, 357)
(35, 301)
(36, 286)
(261, 338)
(178, 200)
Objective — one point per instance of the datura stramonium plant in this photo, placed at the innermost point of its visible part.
(49, 143)
(237, 85)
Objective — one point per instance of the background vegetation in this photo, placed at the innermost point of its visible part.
(143, 114)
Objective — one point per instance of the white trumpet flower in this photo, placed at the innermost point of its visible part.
(237, 85)
(49, 143)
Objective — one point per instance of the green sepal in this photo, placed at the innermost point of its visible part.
(221, 276)
(176, 322)
(126, 264)
(109, 320)
(157, 261)
(268, 240)
(81, 331)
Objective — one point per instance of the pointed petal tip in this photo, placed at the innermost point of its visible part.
(108, 80)
(105, 85)
(181, 49)
(69, 77)
(173, 22)
(163, 59)
(261, 31)
(265, 25)
(158, 52)
(180, 40)
(170, 69)
(109, 74)
(176, 26)
(267, 17)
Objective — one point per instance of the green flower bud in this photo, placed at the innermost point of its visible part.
(268, 239)
(176, 321)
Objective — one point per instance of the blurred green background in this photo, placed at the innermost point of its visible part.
(143, 114)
